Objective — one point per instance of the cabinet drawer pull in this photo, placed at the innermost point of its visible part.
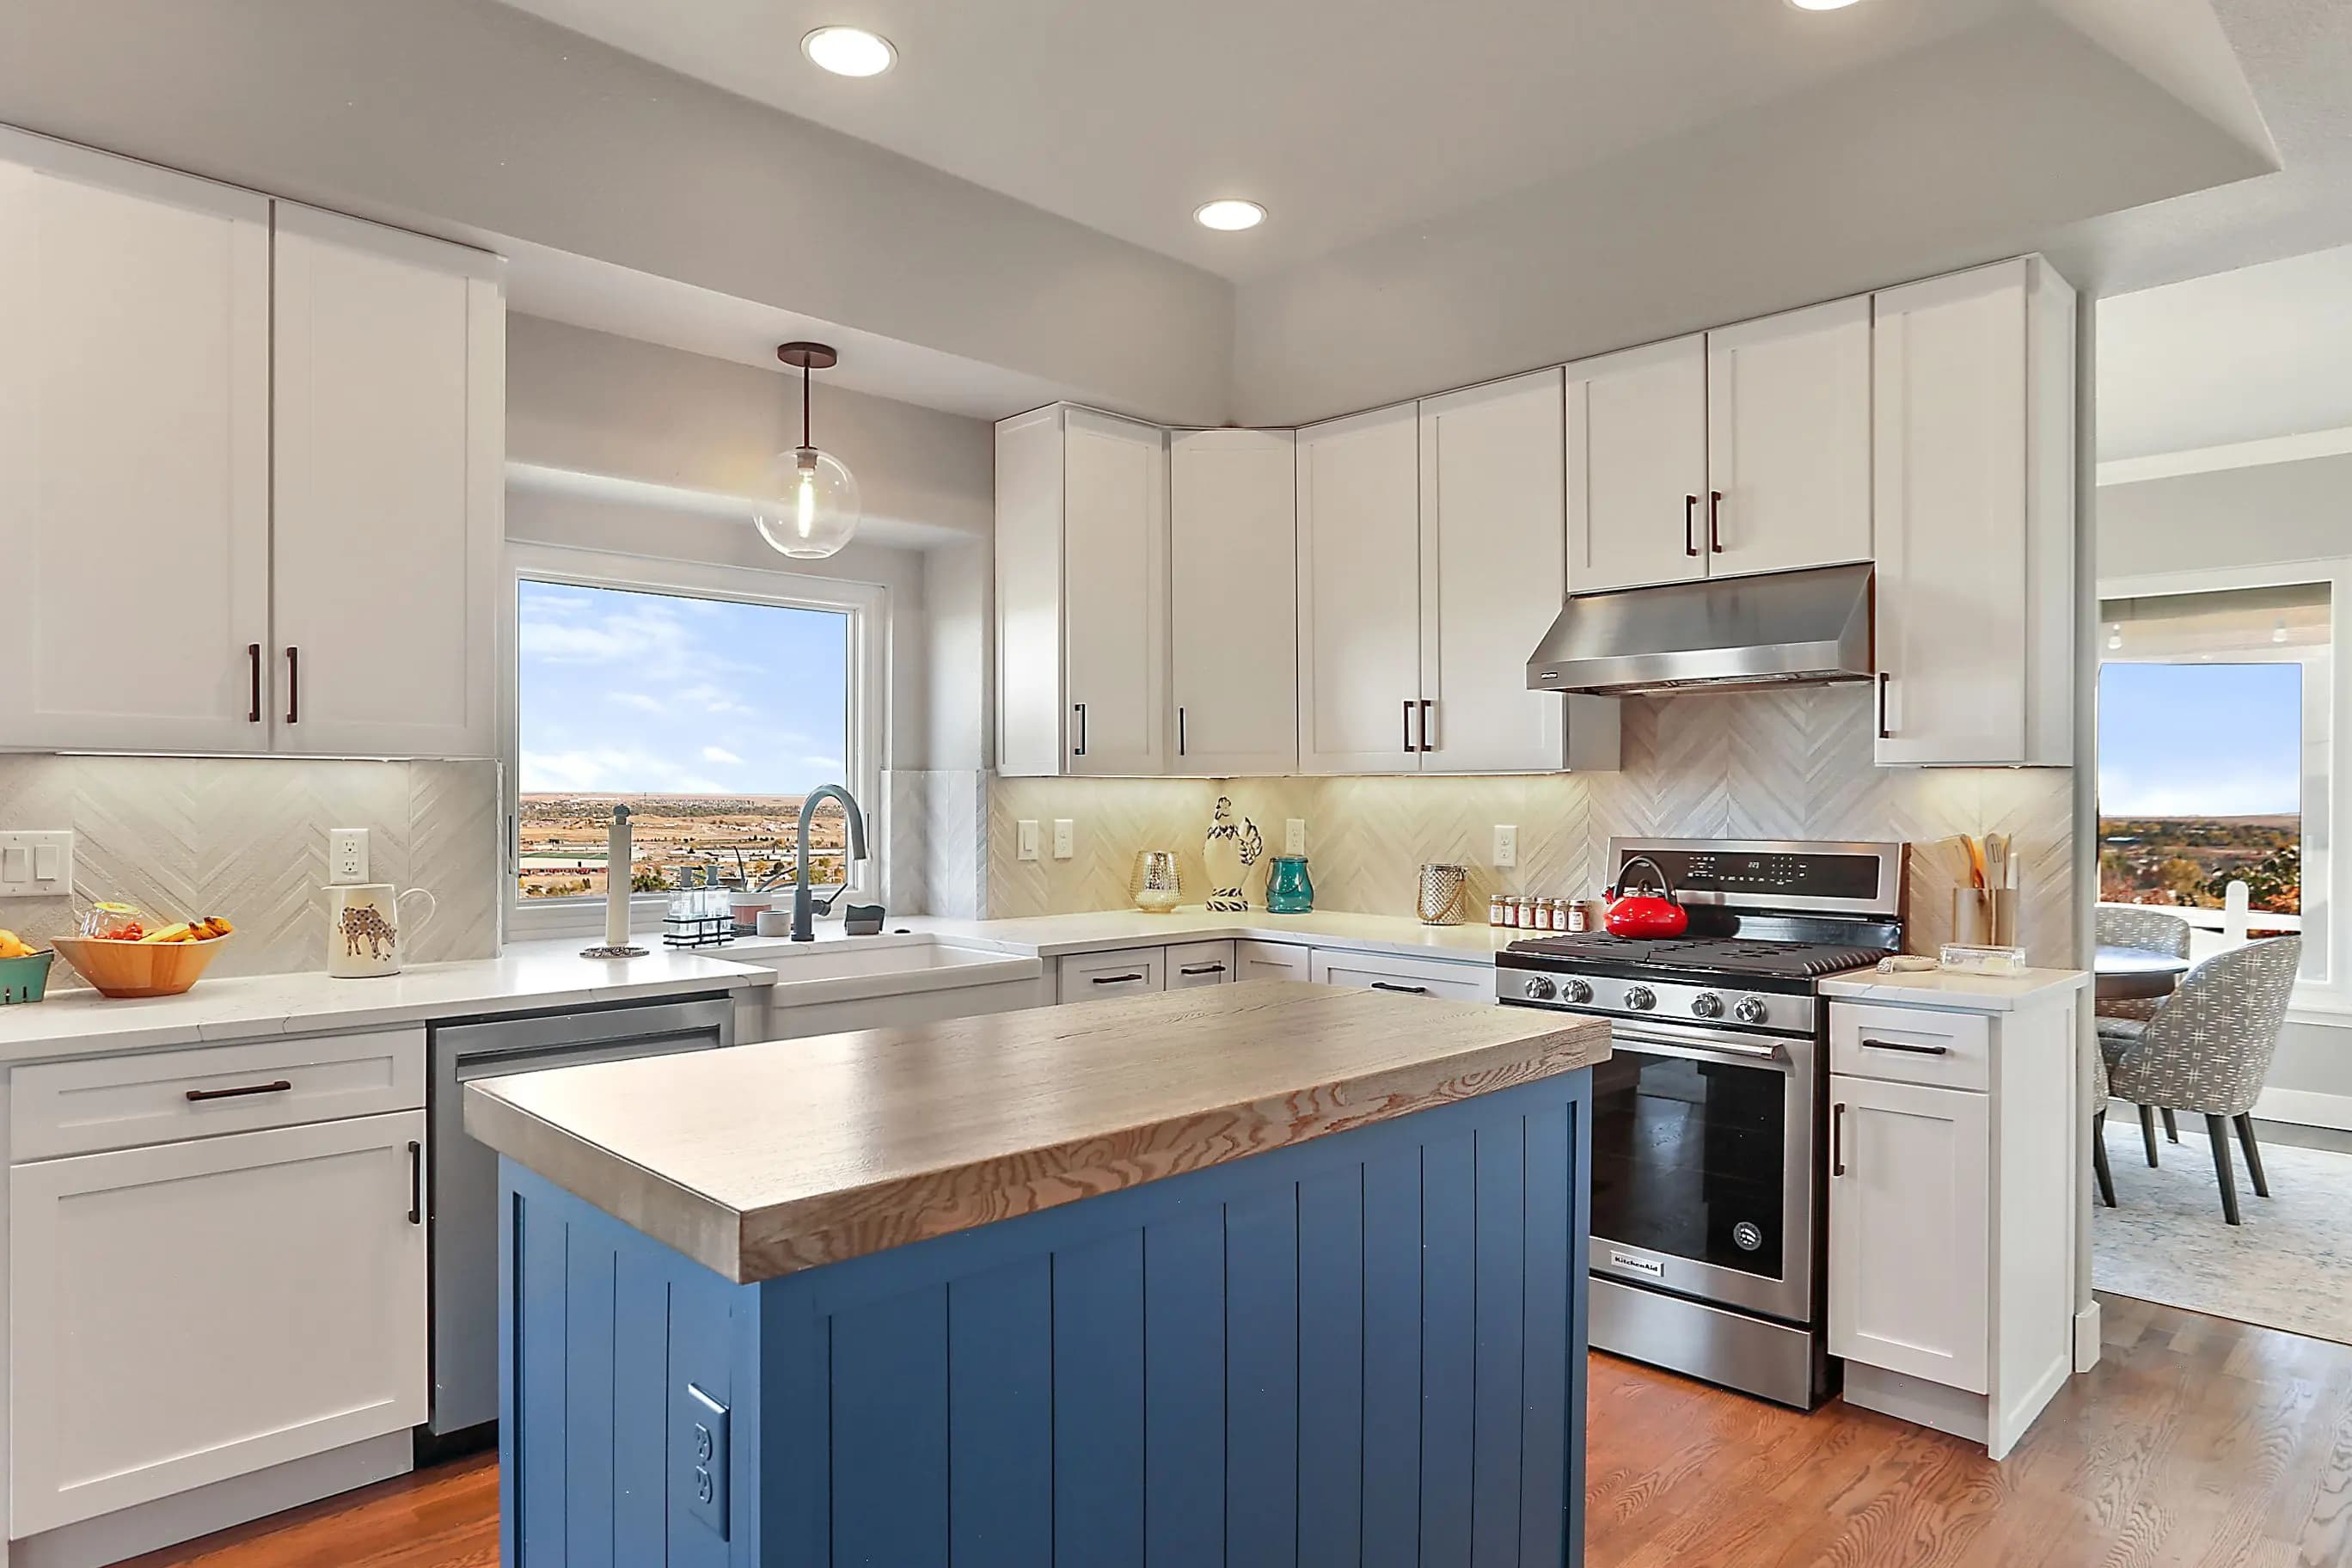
(1714, 521)
(253, 661)
(1690, 525)
(281, 1087)
(1905, 1048)
(1883, 680)
(293, 685)
(1202, 969)
(1080, 749)
(415, 1182)
(1837, 1140)
(1424, 726)
(1408, 990)
(1116, 979)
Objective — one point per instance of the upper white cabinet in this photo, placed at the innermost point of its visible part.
(134, 454)
(1081, 593)
(1788, 440)
(249, 486)
(1974, 448)
(1739, 450)
(1359, 594)
(1232, 601)
(390, 374)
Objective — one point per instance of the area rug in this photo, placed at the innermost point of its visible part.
(2288, 1267)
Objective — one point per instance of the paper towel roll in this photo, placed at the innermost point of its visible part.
(619, 864)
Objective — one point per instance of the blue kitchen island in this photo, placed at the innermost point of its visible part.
(1260, 1274)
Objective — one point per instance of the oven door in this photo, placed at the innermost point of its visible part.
(1703, 1153)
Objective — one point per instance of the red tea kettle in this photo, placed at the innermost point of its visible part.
(1644, 914)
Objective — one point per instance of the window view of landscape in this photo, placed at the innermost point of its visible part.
(709, 718)
(2200, 775)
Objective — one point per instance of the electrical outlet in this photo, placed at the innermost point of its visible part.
(1294, 836)
(1506, 845)
(701, 1423)
(37, 865)
(347, 855)
(1065, 839)
(1025, 841)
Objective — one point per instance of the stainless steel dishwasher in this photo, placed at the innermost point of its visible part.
(462, 1189)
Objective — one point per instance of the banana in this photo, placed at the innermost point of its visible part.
(169, 933)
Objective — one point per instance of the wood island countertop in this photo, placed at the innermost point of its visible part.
(768, 1159)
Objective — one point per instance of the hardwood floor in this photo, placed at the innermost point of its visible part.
(2196, 1442)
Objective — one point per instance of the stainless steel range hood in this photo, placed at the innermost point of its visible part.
(1728, 634)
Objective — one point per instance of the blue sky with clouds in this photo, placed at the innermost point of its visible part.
(2194, 740)
(663, 694)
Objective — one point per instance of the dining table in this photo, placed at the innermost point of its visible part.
(2135, 974)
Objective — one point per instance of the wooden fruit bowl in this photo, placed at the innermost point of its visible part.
(138, 968)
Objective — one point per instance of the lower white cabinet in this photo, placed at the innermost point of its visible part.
(1409, 976)
(1091, 976)
(1909, 1200)
(1270, 961)
(187, 1312)
(1194, 963)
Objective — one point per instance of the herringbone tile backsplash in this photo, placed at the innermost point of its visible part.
(245, 838)
(1792, 765)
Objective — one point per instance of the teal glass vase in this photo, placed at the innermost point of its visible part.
(1289, 890)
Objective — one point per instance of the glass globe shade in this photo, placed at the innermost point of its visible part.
(812, 511)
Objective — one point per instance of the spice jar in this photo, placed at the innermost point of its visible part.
(1496, 914)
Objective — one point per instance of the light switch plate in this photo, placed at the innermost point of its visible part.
(1025, 840)
(1506, 845)
(347, 855)
(37, 865)
(1294, 836)
(1065, 839)
(700, 1466)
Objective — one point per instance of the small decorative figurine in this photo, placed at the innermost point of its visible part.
(1230, 850)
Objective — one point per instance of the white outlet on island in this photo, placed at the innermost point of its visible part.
(1506, 845)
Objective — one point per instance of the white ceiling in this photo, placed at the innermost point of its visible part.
(1345, 118)
(2248, 355)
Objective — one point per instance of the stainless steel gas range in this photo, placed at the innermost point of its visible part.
(1710, 1159)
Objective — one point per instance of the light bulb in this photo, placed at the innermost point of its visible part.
(2114, 637)
(813, 509)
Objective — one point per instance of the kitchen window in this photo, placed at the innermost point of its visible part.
(710, 702)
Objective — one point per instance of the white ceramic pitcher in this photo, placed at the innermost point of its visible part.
(366, 927)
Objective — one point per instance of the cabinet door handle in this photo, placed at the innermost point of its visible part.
(1690, 525)
(1407, 990)
(415, 1182)
(1080, 749)
(1408, 726)
(1202, 969)
(253, 662)
(1424, 726)
(1116, 979)
(1180, 730)
(281, 1087)
(1883, 732)
(293, 685)
(1907, 1047)
(1714, 521)
(1837, 1140)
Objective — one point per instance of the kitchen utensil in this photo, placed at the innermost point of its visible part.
(139, 968)
(1444, 889)
(1156, 887)
(1644, 914)
(25, 979)
(1289, 890)
(365, 927)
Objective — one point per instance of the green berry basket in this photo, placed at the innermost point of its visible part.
(25, 979)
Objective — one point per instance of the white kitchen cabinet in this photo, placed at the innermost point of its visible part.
(188, 1312)
(1232, 601)
(134, 454)
(1493, 576)
(1974, 517)
(1192, 964)
(1909, 1200)
(1271, 961)
(1636, 466)
(1359, 648)
(389, 356)
(1091, 976)
(1082, 595)
(1788, 440)
(1462, 980)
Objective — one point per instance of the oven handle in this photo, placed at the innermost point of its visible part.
(1697, 1044)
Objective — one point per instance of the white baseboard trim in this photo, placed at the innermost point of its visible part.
(2086, 1337)
(2305, 1108)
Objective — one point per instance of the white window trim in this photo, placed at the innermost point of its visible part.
(2330, 1002)
(867, 605)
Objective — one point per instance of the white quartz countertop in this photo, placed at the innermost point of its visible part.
(1052, 936)
(1947, 988)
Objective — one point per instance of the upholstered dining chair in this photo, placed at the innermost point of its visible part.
(2206, 1050)
(2143, 930)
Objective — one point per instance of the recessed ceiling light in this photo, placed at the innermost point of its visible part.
(849, 51)
(1229, 215)
(1821, 5)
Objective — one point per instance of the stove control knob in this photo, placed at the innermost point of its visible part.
(1575, 990)
(1539, 987)
(1641, 998)
(1749, 1011)
(1706, 1004)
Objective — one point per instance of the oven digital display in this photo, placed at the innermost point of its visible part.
(1813, 876)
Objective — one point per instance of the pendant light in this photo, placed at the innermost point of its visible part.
(812, 510)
